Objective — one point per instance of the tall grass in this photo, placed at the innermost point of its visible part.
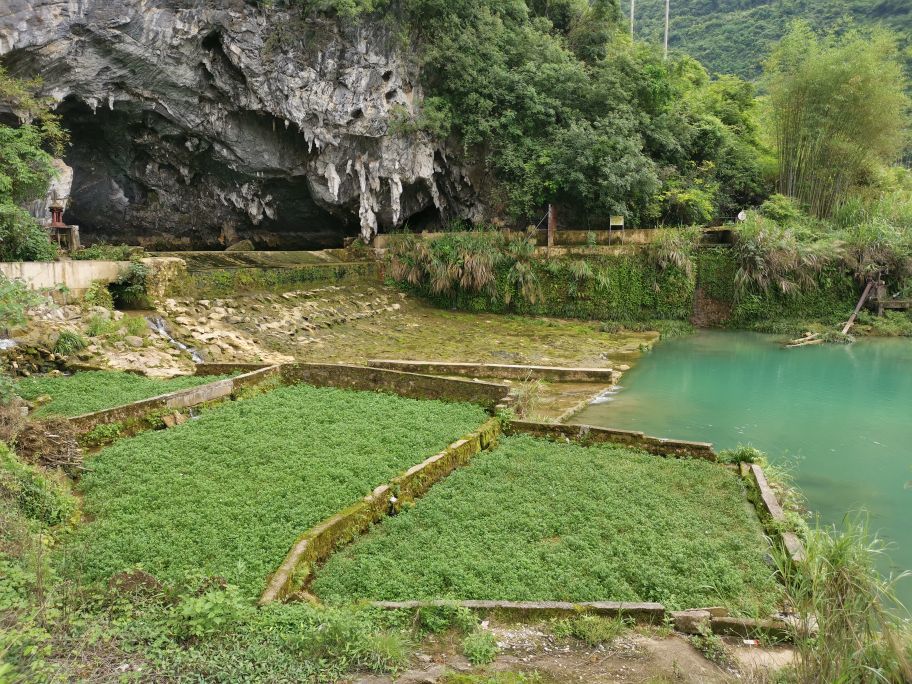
(847, 626)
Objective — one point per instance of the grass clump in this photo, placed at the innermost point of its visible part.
(847, 628)
(228, 494)
(74, 395)
(69, 342)
(537, 520)
(590, 629)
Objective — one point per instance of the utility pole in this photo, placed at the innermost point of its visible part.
(632, 12)
(667, 17)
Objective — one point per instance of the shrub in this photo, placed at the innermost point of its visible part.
(105, 252)
(437, 619)
(129, 289)
(21, 238)
(98, 325)
(15, 299)
(213, 612)
(98, 294)
(37, 496)
(480, 647)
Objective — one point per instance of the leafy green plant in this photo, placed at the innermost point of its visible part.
(129, 289)
(98, 294)
(245, 461)
(438, 619)
(38, 496)
(213, 612)
(69, 342)
(540, 520)
(85, 392)
(104, 252)
(480, 647)
(102, 434)
(15, 299)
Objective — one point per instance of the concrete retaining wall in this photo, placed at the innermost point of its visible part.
(651, 613)
(499, 370)
(411, 385)
(194, 396)
(771, 511)
(76, 275)
(593, 435)
(315, 545)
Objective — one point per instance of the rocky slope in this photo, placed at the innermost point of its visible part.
(200, 124)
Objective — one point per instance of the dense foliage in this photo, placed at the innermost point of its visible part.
(537, 520)
(26, 169)
(85, 392)
(490, 271)
(228, 493)
(734, 36)
(555, 105)
(838, 113)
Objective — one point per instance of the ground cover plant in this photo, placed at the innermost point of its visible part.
(538, 520)
(74, 395)
(227, 494)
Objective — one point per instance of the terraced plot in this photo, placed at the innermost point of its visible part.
(74, 395)
(228, 493)
(537, 520)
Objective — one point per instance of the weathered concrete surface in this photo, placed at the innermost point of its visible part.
(644, 612)
(770, 509)
(411, 385)
(499, 370)
(76, 275)
(203, 124)
(631, 438)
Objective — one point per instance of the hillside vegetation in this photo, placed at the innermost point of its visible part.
(734, 36)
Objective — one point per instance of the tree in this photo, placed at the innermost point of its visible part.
(26, 167)
(838, 110)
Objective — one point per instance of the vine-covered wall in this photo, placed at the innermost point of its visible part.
(631, 287)
(622, 287)
(831, 301)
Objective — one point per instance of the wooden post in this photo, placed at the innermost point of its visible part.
(552, 224)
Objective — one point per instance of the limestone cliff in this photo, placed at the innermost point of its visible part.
(201, 123)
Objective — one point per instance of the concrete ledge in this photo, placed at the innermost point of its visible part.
(316, 544)
(747, 628)
(771, 510)
(411, 385)
(593, 435)
(213, 391)
(228, 368)
(501, 371)
(652, 613)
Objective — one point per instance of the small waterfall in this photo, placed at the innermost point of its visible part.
(157, 323)
(607, 395)
(7, 343)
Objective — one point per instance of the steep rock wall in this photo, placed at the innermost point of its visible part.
(205, 123)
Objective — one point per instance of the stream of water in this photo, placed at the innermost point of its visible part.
(841, 415)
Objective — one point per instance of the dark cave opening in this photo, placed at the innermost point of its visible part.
(140, 179)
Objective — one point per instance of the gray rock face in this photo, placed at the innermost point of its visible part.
(204, 123)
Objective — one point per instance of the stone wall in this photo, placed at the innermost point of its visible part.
(500, 370)
(411, 385)
(316, 544)
(633, 439)
(77, 276)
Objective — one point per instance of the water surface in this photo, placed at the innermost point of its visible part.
(842, 415)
